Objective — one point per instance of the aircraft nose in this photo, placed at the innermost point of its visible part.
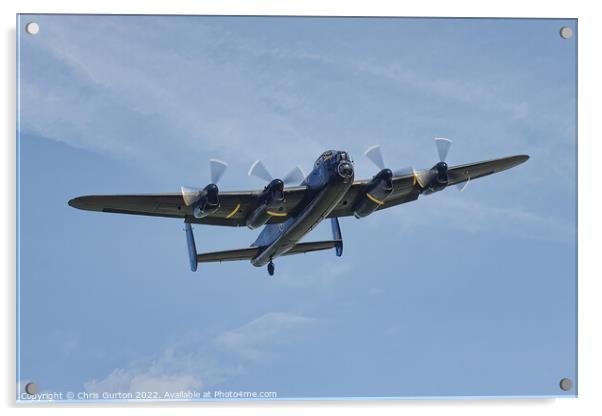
(345, 170)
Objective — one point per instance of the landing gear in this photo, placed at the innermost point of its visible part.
(271, 268)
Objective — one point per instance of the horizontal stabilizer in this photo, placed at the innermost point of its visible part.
(250, 252)
(313, 246)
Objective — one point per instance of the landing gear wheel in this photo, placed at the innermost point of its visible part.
(271, 268)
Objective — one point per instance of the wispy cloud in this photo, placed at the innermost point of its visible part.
(162, 375)
(192, 363)
(460, 212)
(256, 339)
(324, 275)
(211, 91)
(402, 75)
(135, 98)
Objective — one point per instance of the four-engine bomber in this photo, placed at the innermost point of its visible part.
(287, 214)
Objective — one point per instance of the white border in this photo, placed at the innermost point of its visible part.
(590, 296)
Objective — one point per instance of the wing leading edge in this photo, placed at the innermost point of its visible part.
(406, 188)
(235, 206)
(233, 210)
(471, 171)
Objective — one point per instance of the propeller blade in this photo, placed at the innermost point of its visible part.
(190, 195)
(294, 176)
(217, 169)
(375, 155)
(443, 146)
(462, 186)
(259, 170)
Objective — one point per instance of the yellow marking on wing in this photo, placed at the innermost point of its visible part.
(234, 211)
(373, 199)
(277, 214)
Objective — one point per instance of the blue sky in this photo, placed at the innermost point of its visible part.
(469, 293)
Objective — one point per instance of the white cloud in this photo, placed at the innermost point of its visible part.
(134, 98)
(193, 363)
(402, 75)
(175, 369)
(118, 381)
(462, 213)
(256, 339)
(131, 381)
(212, 92)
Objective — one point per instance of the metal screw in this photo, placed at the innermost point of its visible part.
(566, 32)
(32, 28)
(31, 388)
(566, 384)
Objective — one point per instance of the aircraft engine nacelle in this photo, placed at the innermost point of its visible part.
(207, 203)
(440, 179)
(270, 204)
(379, 188)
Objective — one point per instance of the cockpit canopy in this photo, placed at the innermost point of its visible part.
(329, 154)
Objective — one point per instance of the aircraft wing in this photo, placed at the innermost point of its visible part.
(235, 206)
(406, 188)
(470, 171)
(232, 211)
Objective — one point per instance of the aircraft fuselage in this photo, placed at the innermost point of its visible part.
(326, 185)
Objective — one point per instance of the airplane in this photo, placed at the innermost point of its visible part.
(289, 213)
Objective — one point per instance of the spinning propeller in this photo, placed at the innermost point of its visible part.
(271, 201)
(259, 170)
(374, 153)
(436, 177)
(208, 196)
(443, 146)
